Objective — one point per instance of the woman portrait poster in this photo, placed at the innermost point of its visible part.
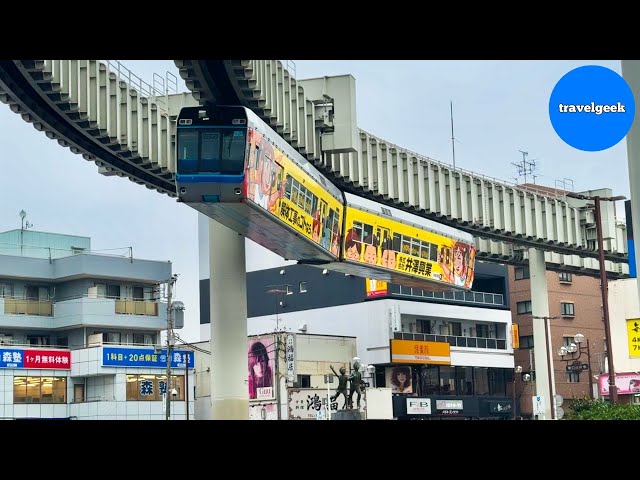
(399, 379)
(261, 358)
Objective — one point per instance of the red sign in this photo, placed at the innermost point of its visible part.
(52, 359)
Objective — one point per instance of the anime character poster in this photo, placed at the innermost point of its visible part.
(261, 366)
(458, 263)
(264, 176)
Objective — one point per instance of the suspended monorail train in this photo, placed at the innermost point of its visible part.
(235, 169)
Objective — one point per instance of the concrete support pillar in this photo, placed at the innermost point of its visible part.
(631, 74)
(545, 381)
(228, 301)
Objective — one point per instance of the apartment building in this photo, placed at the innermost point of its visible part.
(80, 332)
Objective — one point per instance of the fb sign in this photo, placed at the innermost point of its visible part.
(418, 406)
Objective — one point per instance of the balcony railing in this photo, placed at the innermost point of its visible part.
(455, 296)
(21, 306)
(454, 341)
(130, 306)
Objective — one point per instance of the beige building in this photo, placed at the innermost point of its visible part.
(313, 355)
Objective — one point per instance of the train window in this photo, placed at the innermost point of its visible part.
(187, 151)
(364, 231)
(233, 150)
(210, 151)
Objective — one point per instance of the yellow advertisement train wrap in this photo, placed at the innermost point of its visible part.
(390, 244)
(282, 188)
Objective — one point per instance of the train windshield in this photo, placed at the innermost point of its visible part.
(218, 150)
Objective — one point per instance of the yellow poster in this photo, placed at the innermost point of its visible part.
(279, 186)
(376, 288)
(515, 336)
(408, 249)
(633, 336)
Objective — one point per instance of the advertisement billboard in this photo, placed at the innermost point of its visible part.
(376, 288)
(411, 351)
(627, 383)
(145, 358)
(261, 367)
(30, 358)
(399, 379)
(311, 403)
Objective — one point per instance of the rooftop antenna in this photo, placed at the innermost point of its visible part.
(525, 166)
(453, 139)
(25, 226)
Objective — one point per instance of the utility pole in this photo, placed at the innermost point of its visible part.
(186, 383)
(170, 340)
(613, 389)
(277, 291)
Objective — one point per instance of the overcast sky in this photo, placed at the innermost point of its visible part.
(499, 108)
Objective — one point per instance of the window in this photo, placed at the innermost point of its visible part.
(523, 307)
(77, 250)
(289, 290)
(142, 339)
(39, 390)
(304, 381)
(62, 342)
(137, 293)
(567, 309)
(111, 337)
(6, 290)
(565, 277)
(456, 329)
(152, 387)
(37, 340)
(303, 287)
(113, 291)
(526, 341)
(522, 273)
(573, 377)
(482, 331)
(423, 326)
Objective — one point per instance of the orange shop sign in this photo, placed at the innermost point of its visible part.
(410, 351)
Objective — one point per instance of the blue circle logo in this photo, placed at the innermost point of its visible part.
(592, 108)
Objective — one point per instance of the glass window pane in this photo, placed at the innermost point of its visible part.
(187, 151)
(210, 151)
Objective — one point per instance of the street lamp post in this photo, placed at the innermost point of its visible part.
(517, 369)
(576, 366)
(613, 390)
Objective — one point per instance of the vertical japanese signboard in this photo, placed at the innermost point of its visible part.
(290, 355)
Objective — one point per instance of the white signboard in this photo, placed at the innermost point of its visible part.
(290, 355)
(538, 405)
(264, 393)
(305, 403)
(418, 406)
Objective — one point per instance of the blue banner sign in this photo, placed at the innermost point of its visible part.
(144, 357)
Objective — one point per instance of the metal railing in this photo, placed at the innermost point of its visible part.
(455, 296)
(454, 341)
(158, 90)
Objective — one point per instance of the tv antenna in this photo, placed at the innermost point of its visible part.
(525, 166)
(453, 138)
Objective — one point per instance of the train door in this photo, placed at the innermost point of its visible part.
(384, 237)
(323, 226)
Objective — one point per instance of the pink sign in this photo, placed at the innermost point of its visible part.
(54, 359)
(626, 382)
